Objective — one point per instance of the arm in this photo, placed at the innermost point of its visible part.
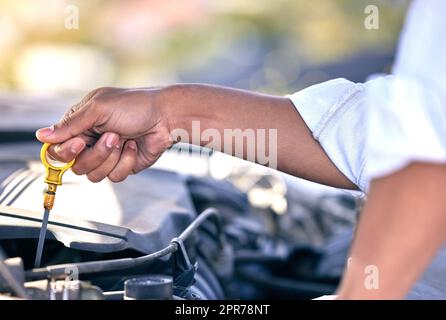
(404, 221)
(144, 118)
(298, 153)
(402, 227)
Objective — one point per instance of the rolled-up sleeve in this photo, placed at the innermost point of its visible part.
(374, 129)
(334, 112)
(407, 111)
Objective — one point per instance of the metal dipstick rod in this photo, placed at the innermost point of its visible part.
(53, 178)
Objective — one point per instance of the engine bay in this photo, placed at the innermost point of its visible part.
(162, 235)
(166, 234)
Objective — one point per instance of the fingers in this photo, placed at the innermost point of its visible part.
(108, 157)
(73, 124)
(126, 163)
(93, 157)
(101, 172)
(67, 150)
(118, 166)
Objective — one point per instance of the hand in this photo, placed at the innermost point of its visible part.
(112, 133)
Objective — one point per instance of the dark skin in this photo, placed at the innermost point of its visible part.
(401, 229)
(117, 132)
(142, 119)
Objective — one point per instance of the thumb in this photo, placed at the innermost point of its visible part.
(71, 125)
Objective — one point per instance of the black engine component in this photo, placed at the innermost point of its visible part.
(159, 287)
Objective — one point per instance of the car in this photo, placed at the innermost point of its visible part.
(199, 231)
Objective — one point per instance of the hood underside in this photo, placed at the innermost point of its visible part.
(142, 213)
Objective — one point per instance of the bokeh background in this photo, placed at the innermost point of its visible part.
(271, 46)
(274, 47)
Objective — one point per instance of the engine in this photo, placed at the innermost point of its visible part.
(165, 235)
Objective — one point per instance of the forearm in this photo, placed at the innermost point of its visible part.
(402, 227)
(220, 109)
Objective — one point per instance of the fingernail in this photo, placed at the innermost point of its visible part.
(57, 148)
(45, 132)
(77, 147)
(132, 145)
(111, 140)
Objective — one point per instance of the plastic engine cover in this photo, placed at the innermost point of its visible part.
(142, 213)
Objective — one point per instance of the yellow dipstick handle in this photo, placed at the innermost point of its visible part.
(53, 177)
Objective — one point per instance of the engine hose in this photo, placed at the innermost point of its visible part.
(126, 263)
(204, 287)
(205, 271)
(296, 287)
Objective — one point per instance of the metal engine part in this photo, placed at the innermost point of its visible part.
(141, 219)
(13, 285)
(63, 290)
(159, 287)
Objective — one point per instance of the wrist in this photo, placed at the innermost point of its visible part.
(169, 102)
(181, 105)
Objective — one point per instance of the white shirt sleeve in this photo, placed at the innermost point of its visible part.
(422, 48)
(334, 112)
(406, 118)
(373, 129)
